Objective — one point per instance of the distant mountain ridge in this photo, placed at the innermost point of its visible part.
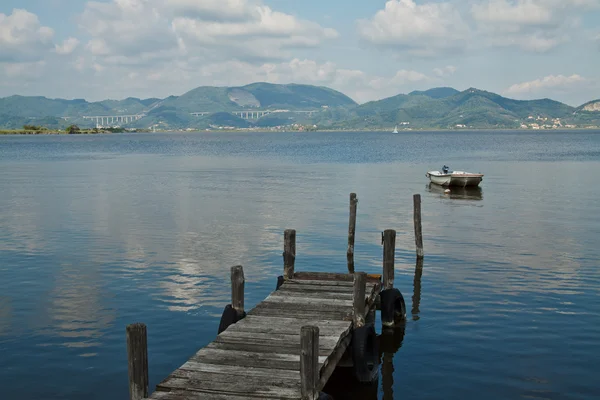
(209, 107)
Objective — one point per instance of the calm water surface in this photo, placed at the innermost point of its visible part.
(97, 232)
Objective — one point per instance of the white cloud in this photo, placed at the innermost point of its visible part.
(216, 30)
(23, 38)
(68, 46)
(532, 25)
(553, 82)
(445, 71)
(423, 29)
(134, 29)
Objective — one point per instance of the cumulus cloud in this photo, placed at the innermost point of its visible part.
(554, 82)
(23, 38)
(67, 47)
(217, 29)
(423, 29)
(133, 29)
(445, 71)
(532, 25)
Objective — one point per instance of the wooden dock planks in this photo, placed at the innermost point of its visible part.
(259, 356)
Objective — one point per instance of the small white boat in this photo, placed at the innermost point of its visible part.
(445, 177)
(395, 129)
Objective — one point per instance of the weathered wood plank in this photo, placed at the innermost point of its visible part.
(307, 300)
(263, 347)
(275, 388)
(189, 395)
(250, 359)
(303, 314)
(333, 359)
(285, 325)
(275, 380)
(322, 294)
(293, 306)
(320, 289)
(273, 338)
(331, 276)
(235, 370)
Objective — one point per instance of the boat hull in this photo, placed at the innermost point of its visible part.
(455, 179)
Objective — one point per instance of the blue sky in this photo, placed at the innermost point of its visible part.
(367, 49)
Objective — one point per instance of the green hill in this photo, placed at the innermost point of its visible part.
(449, 108)
(436, 93)
(258, 96)
(442, 107)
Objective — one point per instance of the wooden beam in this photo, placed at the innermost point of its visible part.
(417, 221)
(360, 287)
(309, 363)
(137, 361)
(237, 289)
(289, 253)
(389, 249)
(351, 233)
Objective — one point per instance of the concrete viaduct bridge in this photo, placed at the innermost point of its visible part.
(256, 114)
(111, 119)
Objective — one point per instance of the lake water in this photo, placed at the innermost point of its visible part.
(97, 232)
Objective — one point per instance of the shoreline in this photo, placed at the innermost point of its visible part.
(21, 132)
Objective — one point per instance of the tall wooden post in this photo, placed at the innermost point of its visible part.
(417, 221)
(389, 249)
(351, 233)
(237, 289)
(289, 253)
(137, 360)
(416, 298)
(309, 362)
(358, 296)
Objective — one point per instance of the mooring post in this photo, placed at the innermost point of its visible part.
(351, 233)
(309, 362)
(417, 221)
(358, 296)
(237, 289)
(289, 253)
(137, 360)
(389, 249)
(416, 298)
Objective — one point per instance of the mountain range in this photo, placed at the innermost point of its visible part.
(265, 105)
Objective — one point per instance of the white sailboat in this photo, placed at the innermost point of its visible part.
(395, 129)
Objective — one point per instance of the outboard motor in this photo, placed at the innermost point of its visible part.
(445, 169)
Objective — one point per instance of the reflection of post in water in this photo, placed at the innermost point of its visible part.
(416, 299)
(390, 342)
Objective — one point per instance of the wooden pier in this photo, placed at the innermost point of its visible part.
(288, 345)
(260, 356)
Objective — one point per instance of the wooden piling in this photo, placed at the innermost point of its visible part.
(416, 298)
(237, 289)
(289, 253)
(137, 360)
(358, 298)
(351, 233)
(309, 362)
(389, 249)
(417, 221)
